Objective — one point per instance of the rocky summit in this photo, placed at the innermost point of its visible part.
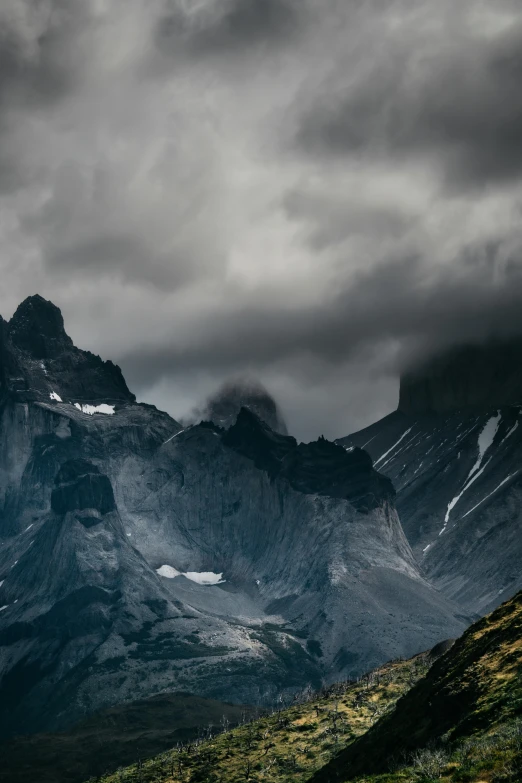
(453, 450)
(137, 557)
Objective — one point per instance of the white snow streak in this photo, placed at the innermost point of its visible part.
(368, 441)
(55, 396)
(393, 447)
(2, 582)
(3, 607)
(511, 431)
(108, 410)
(490, 494)
(173, 436)
(485, 440)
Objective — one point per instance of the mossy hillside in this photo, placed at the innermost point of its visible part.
(485, 757)
(289, 744)
(469, 694)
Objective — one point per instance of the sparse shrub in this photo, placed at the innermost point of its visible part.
(429, 763)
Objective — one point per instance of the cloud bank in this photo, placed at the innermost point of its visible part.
(312, 193)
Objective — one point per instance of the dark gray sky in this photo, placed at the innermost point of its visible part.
(313, 192)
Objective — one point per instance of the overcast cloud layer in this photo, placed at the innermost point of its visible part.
(313, 192)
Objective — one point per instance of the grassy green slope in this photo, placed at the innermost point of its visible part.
(465, 712)
(290, 744)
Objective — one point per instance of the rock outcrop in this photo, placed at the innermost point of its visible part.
(39, 361)
(137, 557)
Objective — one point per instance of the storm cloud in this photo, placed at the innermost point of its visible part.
(226, 28)
(316, 194)
(459, 109)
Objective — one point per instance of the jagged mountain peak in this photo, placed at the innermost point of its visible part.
(321, 467)
(38, 328)
(223, 406)
(466, 377)
(39, 361)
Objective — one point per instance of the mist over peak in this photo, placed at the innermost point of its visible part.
(223, 406)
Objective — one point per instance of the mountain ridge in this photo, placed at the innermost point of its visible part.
(137, 556)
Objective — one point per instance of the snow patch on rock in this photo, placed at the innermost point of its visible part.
(108, 410)
(168, 572)
(200, 577)
(205, 577)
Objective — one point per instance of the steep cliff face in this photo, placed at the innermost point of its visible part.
(468, 378)
(137, 557)
(453, 452)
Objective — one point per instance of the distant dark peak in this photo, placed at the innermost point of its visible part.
(37, 327)
(321, 468)
(80, 485)
(468, 377)
(223, 407)
(252, 437)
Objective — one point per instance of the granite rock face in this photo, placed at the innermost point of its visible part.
(453, 451)
(469, 378)
(137, 557)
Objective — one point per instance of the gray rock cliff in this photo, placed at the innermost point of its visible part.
(137, 557)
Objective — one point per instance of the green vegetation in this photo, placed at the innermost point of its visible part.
(465, 713)
(289, 744)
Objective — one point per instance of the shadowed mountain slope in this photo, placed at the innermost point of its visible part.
(138, 558)
(453, 451)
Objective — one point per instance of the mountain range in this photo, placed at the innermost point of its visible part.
(138, 557)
